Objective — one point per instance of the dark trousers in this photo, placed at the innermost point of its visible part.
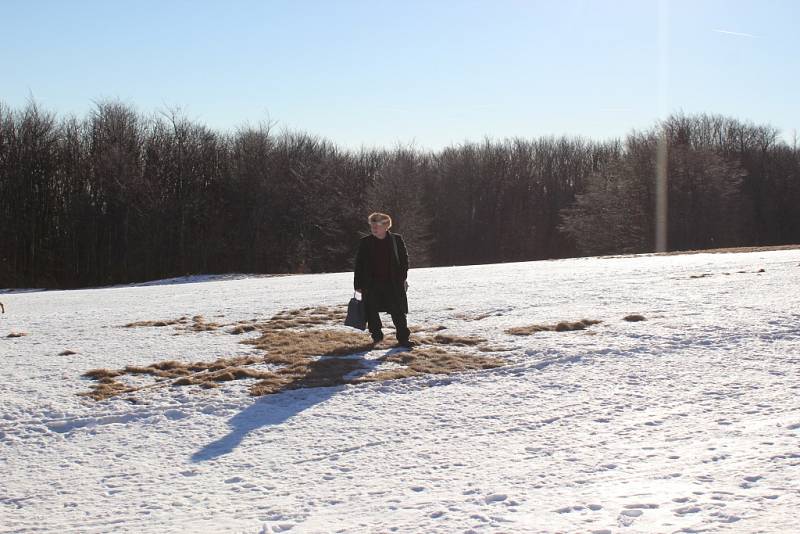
(381, 298)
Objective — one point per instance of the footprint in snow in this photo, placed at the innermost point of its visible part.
(579, 508)
(632, 513)
(641, 506)
(726, 518)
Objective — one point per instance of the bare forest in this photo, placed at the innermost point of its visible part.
(118, 196)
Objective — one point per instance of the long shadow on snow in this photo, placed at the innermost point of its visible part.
(315, 387)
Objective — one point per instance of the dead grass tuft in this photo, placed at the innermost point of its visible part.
(199, 324)
(17, 334)
(161, 323)
(493, 348)
(433, 361)
(564, 326)
(635, 317)
(67, 352)
(445, 339)
(242, 329)
(528, 330)
(288, 345)
(99, 374)
(305, 318)
(106, 389)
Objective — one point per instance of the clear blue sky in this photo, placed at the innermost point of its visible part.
(432, 73)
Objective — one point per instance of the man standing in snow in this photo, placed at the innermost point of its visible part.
(380, 276)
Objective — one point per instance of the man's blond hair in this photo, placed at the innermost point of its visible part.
(378, 217)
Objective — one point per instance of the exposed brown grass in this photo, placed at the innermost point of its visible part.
(107, 389)
(67, 352)
(99, 374)
(323, 372)
(300, 318)
(159, 323)
(446, 339)
(293, 344)
(634, 317)
(196, 324)
(199, 373)
(17, 334)
(305, 354)
(493, 348)
(305, 318)
(531, 329)
(242, 329)
(433, 361)
(564, 326)
(199, 324)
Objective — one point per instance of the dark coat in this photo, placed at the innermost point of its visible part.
(398, 265)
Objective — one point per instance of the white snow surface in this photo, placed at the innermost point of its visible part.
(686, 422)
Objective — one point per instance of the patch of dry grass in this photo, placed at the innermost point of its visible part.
(67, 352)
(324, 372)
(199, 324)
(563, 326)
(99, 374)
(447, 339)
(289, 345)
(301, 318)
(634, 317)
(108, 389)
(196, 324)
(242, 329)
(160, 323)
(305, 318)
(306, 355)
(17, 334)
(430, 361)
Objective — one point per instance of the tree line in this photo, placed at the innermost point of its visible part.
(118, 196)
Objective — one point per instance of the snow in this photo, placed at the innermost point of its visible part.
(686, 422)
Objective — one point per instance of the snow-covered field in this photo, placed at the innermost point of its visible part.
(686, 422)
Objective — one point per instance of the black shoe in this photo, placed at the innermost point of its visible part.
(407, 344)
(377, 339)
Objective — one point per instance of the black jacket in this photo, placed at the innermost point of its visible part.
(362, 278)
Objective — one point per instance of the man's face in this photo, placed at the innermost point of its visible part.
(378, 229)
